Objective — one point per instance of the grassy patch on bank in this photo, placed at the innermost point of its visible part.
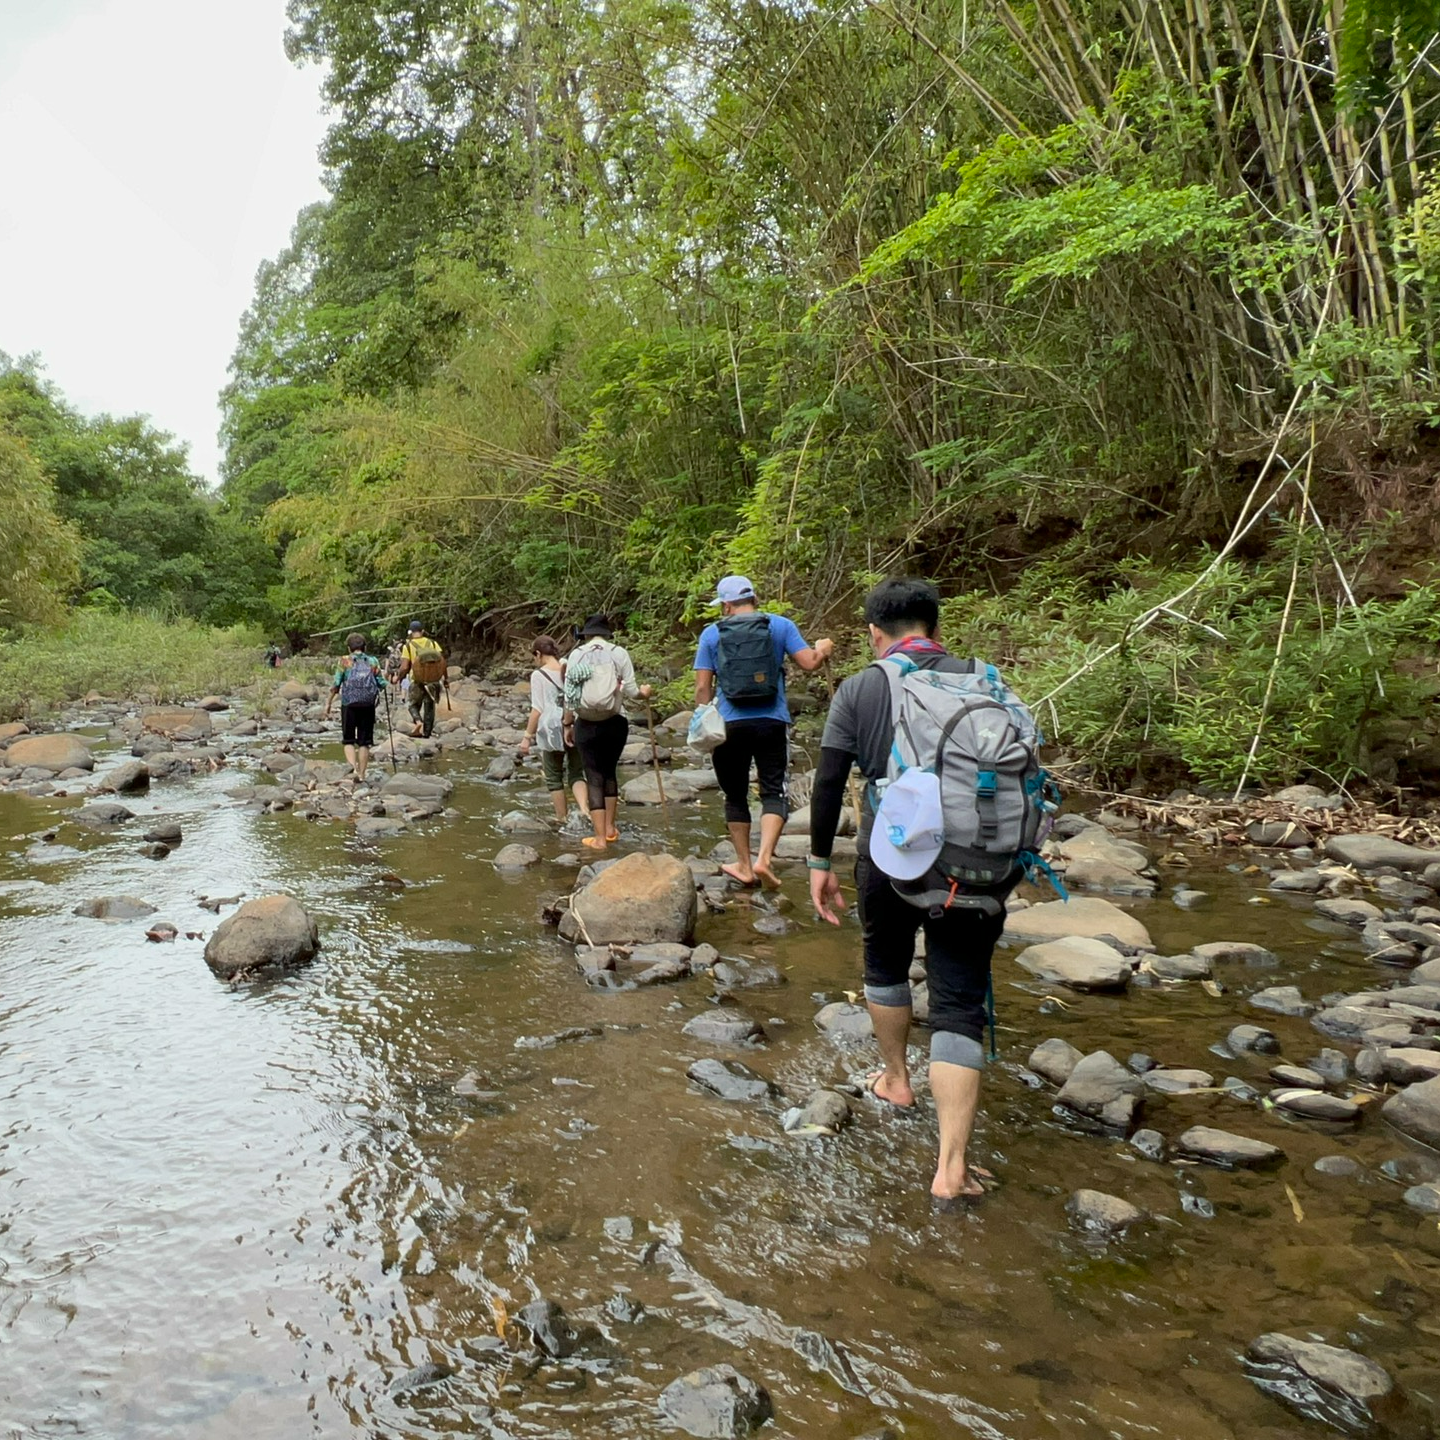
(123, 655)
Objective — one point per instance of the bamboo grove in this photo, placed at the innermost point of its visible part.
(608, 298)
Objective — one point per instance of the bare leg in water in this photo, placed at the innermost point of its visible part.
(771, 828)
(892, 1034)
(956, 1089)
(742, 870)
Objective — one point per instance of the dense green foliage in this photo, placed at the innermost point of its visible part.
(124, 655)
(148, 533)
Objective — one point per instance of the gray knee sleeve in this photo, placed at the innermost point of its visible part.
(952, 1049)
(896, 997)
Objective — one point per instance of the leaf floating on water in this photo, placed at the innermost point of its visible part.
(852, 997)
(1056, 1000)
(462, 1130)
(1212, 988)
(500, 1315)
(1295, 1205)
(812, 1129)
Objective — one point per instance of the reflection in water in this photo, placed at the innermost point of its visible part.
(253, 1213)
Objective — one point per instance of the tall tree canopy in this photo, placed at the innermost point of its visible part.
(141, 526)
(607, 297)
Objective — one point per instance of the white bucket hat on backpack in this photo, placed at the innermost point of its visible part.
(909, 825)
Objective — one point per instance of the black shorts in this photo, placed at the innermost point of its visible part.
(958, 947)
(357, 725)
(764, 744)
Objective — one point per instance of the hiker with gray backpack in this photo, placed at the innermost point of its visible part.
(957, 806)
(358, 682)
(740, 669)
(599, 678)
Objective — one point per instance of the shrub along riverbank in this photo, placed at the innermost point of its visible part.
(126, 655)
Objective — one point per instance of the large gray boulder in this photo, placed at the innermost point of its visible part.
(272, 933)
(1086, 915)
(178, 720)
(53, 753)
(645, 790)
(1369, 852)
(1077, 962)
(1415, 1111)
(638, 899)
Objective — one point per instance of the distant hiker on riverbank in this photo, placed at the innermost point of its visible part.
(422, 663)
(545, 729)
(599, 678)
(906, 874)
(358, 683)
(740, 666)
(272, 657)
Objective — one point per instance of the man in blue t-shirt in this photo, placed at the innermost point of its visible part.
(744, 655)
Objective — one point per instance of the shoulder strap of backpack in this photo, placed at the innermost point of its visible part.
(895, 668)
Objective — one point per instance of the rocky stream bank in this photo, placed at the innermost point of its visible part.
(1282, 1067)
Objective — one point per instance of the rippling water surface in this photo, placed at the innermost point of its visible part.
(248, 1213)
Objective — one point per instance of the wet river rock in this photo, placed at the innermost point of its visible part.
(730, 1080)
(1415, 1111)
(271, 933)
(1100, 1089)
(845, 1022)
(1221, 1147)
(1055, 1059)
(1369, 852)
(127, 776)
(115, 907)
(1101, 1214)
(724, 1027)
(639, 899)
(1084, 915)
(102, 815)
(1344, 1387)
(1077, 962)
(717, 1403)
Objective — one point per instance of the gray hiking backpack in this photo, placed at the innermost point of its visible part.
(361, 685)
(972, 732)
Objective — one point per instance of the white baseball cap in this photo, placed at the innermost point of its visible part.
(732, 590)
(909, 825)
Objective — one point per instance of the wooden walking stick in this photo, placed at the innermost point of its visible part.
(850, 778)
(654, 753)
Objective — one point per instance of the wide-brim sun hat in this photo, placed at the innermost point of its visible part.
(909, 829)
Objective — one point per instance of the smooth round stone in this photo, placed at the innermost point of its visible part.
(1297, 1075)
(1337, 1165)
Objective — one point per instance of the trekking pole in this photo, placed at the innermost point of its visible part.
(853, 788)
(654, 753)
(390, 728)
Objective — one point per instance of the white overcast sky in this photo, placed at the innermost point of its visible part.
(154, 152)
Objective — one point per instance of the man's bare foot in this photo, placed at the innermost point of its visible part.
(950, 1190)
(741, 875)
(893, 1090)
(767, 876)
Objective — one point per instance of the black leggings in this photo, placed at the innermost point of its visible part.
(766, 745)
(600, 743)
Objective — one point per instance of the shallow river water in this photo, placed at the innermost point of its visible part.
(246, 1213)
